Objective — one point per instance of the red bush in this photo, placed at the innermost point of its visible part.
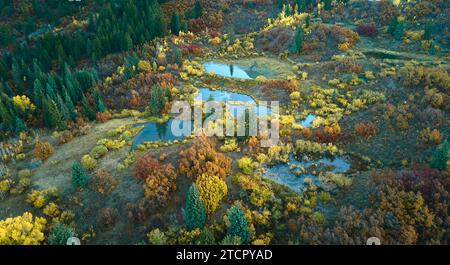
(192, 49)
(366, 130)
(108, 217)
(368, 30)
(329, 134)
(102, 117)
(202, 157)
(146, 166)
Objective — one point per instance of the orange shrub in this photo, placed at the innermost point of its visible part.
(202, 157)
(329, 133)
(108, 217)
(102, 116)
(65, 137)
(159, 179)
(159, 185)
(146, 165)
(307, 133)
(104, 182)
(43, 150)
(288, 85)
(366, 130)
(253, 144)
(431, 136)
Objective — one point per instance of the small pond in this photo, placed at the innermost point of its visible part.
(284, 174)
(233, 99)
(155, 132)
(163, 132)
(226, 70)
(308, 121)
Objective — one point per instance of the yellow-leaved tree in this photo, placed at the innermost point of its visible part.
(23, 103)
(22, 230)
(212, 190)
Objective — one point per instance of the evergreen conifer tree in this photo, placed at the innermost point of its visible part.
(194, 210)
(79, 175)
(238, 224)
(440, 156)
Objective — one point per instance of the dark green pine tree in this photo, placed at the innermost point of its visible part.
(308, 21)
(6, 88)
(297, 46)
(178, 57)
(50, 91)
(63, 108)
(175, 23)
(7, 120)
(440, 157)
(238, 224)
(128, 42)
(59, 234)
(72, 85)
(198, 9)
(87, 109)
(52, 116)
(301, 5)
(231, 36)
(400, 30)
(86, 79)
(99, 101)
(158, 100)
(70, 106)
(16, 72)
(280, 4)
(428, 31)
(37, 71)
(20, 125)
(392, 27)
(194, 210)
(327, 5)
(288, 9)
(79, 176)
(38, 93)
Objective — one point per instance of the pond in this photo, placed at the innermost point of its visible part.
(155, 132)
(226, 70)
(162, 131)
(232, 98)
(285, 174)
(308, 121)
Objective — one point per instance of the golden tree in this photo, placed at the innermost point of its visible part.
(22, 230)
(43, 150)
(212, 190)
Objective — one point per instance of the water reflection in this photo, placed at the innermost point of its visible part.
(226, 70)
(292, 176)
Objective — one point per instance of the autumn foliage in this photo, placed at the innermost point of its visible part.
(146, 165)
(22, 230)
(108, 217)
(366, 130)
(212, 190)
(43, 150)
(159, 179)
(202, 157)
(368, 30)
(102, 116)
(329, 133)
(288, 85)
